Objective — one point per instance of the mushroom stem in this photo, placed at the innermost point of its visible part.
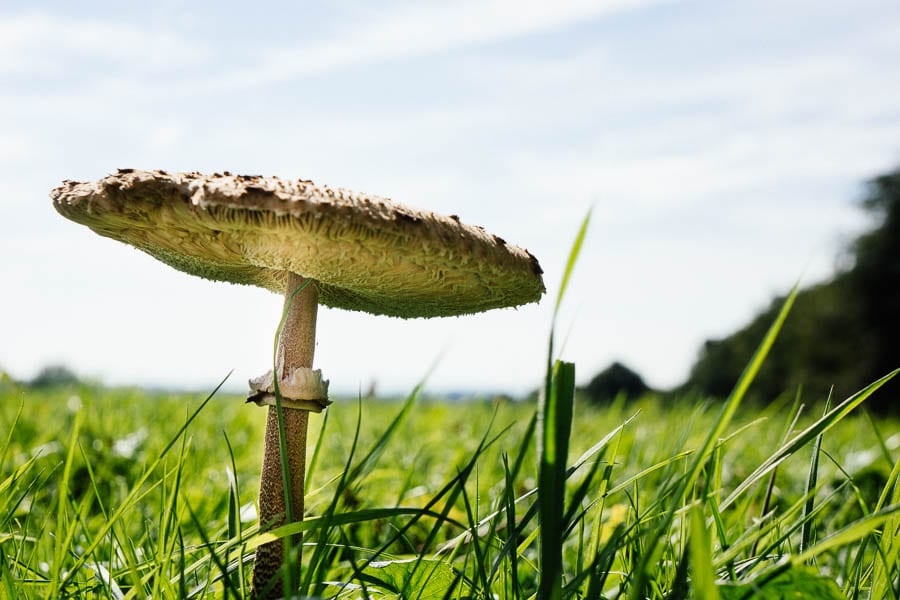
(297, 344)
(296, 348)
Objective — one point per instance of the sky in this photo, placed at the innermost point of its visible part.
(722, 148)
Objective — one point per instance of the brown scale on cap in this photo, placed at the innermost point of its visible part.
(366, 253)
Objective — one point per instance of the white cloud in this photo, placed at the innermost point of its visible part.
(16, 147)
(419, 29)
(164, 136)
(50, 45)
(729, 168)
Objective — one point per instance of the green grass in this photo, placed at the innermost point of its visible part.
(102, 493)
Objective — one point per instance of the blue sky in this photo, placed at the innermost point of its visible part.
(721, 146)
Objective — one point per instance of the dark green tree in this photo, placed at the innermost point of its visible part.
(616, 379)
(841, 334)
(875, 276)
(54, 376)
(817, 349)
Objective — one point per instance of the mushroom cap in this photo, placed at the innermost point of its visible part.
(366, 253)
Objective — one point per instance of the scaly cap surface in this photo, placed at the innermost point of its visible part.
(366, 253)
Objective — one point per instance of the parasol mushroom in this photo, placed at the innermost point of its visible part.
(316, 245)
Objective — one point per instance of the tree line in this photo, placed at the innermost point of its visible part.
(841, 335)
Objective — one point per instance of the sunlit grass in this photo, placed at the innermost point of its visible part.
(79, 513)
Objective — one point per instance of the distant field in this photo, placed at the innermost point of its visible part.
(87, 509)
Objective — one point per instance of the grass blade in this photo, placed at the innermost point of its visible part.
(884, 575)
(650, 556)
(556, 426)
(570, 263)
(811, 483)
(825, 423)
(137, 490)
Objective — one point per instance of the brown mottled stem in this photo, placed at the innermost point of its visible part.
(296, 348)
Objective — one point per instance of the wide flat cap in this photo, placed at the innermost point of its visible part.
(366, 253)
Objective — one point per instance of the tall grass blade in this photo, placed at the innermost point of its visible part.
(575, 512)
(369, 460)
(812, 479)
(796, 411)
(314, 460)
(510, 546)
(703, 578)
(647, 564)
(600, 446)
(885, 572)
(822, 425)
(137, 490)
(351, 474)
(9, 437)
(596, 579)
(182, 576)
(169, 523)
(235, 527)
(64, 542)
(570, 263)
(480, 563)
(450, 490)
(6, 575)
(221, 565)
(854, 531)
(320, 550)
(600, 568)
(513, 539)
(882, 444)
(556, 426)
